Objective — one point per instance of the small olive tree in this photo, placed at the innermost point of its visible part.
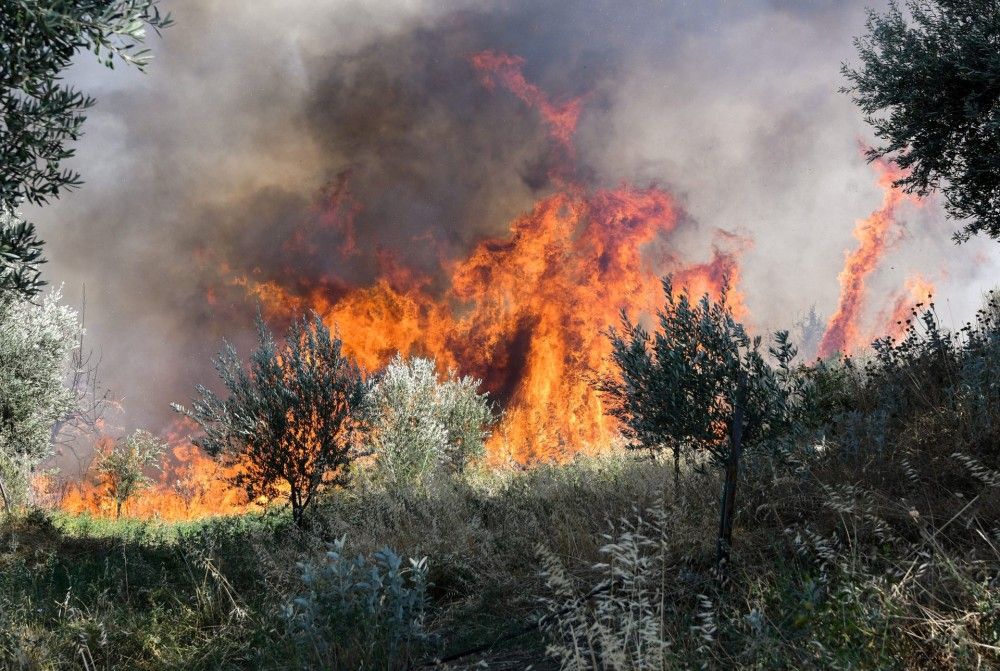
(419, 425)
(123, 466)
(702, 382)
(291, 417)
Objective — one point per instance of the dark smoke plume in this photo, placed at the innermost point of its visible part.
(333, 142)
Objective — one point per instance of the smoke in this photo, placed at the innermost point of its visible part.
(340, 141)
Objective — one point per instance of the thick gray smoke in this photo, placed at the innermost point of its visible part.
(254, 115)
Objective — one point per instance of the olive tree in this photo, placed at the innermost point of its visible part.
(291, 418)
(702, 382)
(41, 113)
(36, 343)
(928, 84)
(124, 466)
(420, 425)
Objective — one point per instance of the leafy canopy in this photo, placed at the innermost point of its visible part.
(41, 113)
(290, 420)
(683, 383)
(930, 87)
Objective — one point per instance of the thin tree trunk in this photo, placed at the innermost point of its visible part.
(295, 499)
(118, 509)
(677, 468)
(3, 495)
(727, 508)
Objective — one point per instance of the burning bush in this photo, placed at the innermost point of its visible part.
(291, 417)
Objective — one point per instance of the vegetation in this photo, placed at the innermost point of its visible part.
(866, 540)
(361, 612)
(700, 382)
(292, 417)
(41, 114)
(927, 84)
(123, 467)
(419, 427)
(866, 534)
(36, 342)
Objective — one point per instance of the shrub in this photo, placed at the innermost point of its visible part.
(919, 399)
(36, 341)
(292, 415)
(700, 381)
(419, 425)
(360, 613)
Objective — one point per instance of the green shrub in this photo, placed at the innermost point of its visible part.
(699, 382)
(292, 415)
(36, 341)
(420, 426)
(360, 613)
(124, 464)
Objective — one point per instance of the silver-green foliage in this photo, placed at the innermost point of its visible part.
(623, 623)
(420, 425)
(42, 114)
(36, 341)
(361, 612)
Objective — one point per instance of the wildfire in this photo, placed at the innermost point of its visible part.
(917, 291)
(189, 485)
(843, 332)
(525, 312)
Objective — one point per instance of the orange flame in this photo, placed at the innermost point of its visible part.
(190, 485)
(525, 312)
(843, 332)
(918, 291)
(561, 119)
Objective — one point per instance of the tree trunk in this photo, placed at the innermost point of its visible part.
(3, 495)
(295, 498)
(677, 468)
(727, 507)
(118, 509)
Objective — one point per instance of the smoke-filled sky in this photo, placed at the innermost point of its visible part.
(219, 161)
